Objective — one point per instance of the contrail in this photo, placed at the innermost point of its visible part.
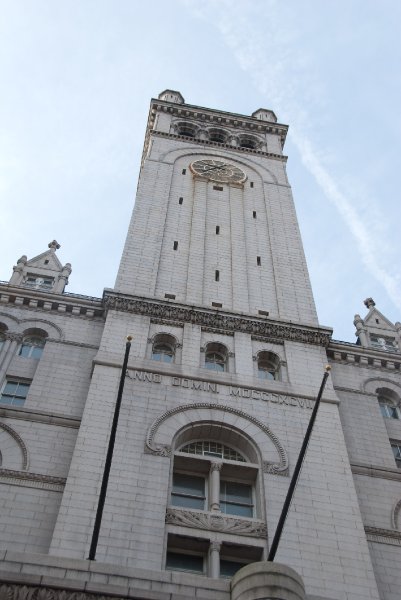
(267, 55)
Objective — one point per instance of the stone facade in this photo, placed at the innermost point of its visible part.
(226, 360)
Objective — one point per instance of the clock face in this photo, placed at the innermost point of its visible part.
(218, 170)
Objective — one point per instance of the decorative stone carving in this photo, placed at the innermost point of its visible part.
(216, 522)
(20, 443)
(280, 468)
(223, 323)
(24, 592)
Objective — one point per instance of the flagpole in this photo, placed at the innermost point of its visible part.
(109, 456)
(297, 469)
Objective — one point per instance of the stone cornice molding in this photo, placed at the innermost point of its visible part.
(222, 322)
(36, 480)
(383, 536)
(279, 468)
(209, 143)
(216, 522)
(376, 471)
(66, 304)
(216, 117)
(32, 415)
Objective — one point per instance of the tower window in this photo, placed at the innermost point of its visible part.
(268, 365)
(216, 357)
(180, 200)
(251, 184)
(217, 229)
(218, 188)
(258, 261)
(184, 171)
(175, 245)
(217, 275)
(163, 348)
(32, 347)
(14, 393)
(396, 448)
(254, 214)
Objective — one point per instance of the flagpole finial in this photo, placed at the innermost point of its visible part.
(327, 368)
(129, 338)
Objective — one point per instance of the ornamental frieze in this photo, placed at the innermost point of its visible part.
(215, 522)
(218, 321)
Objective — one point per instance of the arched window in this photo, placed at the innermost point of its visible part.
(186, 129)
(217, 475)
(388, 402)
(268, 365)
(163, 348)
(33, 344)
(249, 142)
(216, 357)
(217, 135)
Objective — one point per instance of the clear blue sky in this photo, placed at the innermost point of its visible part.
(76, 80)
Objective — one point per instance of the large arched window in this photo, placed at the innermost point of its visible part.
(218, 135)
(216, 356)
(268, 365)
(33, 343)
(388, 402)
(248, 141)
(213, 475)
(163, 348)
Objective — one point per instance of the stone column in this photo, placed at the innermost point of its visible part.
(214, 559)
(214, 484)
(267, 581)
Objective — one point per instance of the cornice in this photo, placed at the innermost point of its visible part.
(376, 471)
(36, 480)
(223, 322)
(218, 117)
(383, 536)
(26, 414)
(208, 143)
(359, 356)
(66, 304)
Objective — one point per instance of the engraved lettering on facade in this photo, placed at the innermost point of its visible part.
(269, 397)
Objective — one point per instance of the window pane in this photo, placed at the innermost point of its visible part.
(236, 509)
(187, 501)
(188, 491)
(36, 352)
(18, 401)
(184, 562)
(228, 568)
(10, 388)
(236, 492)
(23, 389)
(25, 350)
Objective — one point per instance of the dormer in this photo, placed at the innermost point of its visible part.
(43, 272)
(376, 331)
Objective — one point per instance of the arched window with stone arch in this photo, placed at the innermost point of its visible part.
(217, 135)
(216, 357)
(249, 142)
(186, 129)
(215, 474)
(33, 342)
(268, 365)
(163, 348)
(389, 403)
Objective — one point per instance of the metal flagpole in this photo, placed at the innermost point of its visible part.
(295, 475)
(109, 456)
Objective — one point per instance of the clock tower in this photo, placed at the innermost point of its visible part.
(226, 361)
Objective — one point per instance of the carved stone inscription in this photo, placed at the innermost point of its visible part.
(207, 386)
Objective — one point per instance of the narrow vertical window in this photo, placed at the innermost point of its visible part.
(180, 200)
(217, 275)
(254, 214)
(251, 183)
(175, 245)
(184, 171)
(258, 261)
(217, 229)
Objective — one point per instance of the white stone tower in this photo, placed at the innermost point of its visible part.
(226, 360)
